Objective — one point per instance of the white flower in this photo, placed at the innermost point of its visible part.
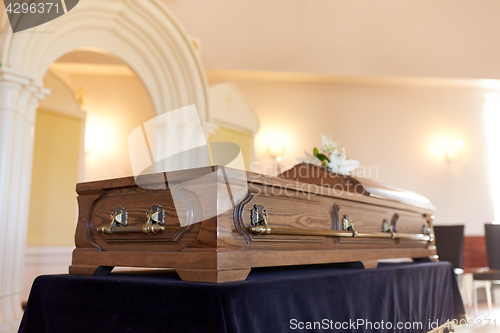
(340, 164)
(329, 146)
(310, 158)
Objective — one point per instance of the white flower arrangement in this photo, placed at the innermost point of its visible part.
(331, 159)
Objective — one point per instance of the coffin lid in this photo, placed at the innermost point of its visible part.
(312, 174)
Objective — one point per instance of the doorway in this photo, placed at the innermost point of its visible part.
(81, 135)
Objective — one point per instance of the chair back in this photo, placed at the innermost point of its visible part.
(450, 243)
(492, 237)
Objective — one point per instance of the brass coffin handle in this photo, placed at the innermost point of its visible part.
(259, 220)
(348, 225)
(336, 233)
(155, 220)
(118, 217)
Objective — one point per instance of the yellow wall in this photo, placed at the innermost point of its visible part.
(242, 139)
(115, 106)
(53, 206)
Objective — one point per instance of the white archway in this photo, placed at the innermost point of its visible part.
(142, 33)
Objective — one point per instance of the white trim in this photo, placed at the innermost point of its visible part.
(209, 128)
(92, 69)
(43, 260)
(48, 256)
(82, 115)
(239, 128)
(297, 77)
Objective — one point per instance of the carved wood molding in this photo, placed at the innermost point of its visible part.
(335, 217)
(176, 232)
(238, 217)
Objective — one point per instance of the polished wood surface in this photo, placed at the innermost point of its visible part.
(222, 248)
(474, 253)
(312, 174)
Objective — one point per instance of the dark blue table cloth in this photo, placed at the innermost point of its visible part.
(319, 298)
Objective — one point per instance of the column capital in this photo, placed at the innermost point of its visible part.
(20, 93)
(209, 128)
(24, 80)
(11, 75)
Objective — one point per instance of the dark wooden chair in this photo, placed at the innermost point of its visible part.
(450, 245)
(492, 274)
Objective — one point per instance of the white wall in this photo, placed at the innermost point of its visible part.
(399, 129)
(425, 38)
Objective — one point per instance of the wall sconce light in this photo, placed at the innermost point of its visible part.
(80, 96)
(276, 150)
(453, 152)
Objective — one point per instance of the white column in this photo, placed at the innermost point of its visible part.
(19, 96)
(10, 89)
(32, 95)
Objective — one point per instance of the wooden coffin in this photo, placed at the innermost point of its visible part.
(214, 224)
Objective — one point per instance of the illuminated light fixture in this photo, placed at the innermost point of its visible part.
(452, 153)
(276, 150)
